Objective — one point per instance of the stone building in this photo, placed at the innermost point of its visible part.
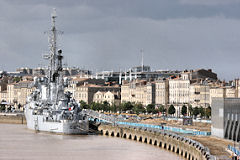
(179, 93)
(222, 92)
(15, 94)
(199, 95)
(200, 74)
(138, 91)
(110, 97)
(21, 91)
(86, 91)
(162, 92)
(10, 93)
(75, 81)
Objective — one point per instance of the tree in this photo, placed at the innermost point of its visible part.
(190, 110)
(138, 108)
(171, 110)
(127, 106)
(16, 79)
(19, 106)
(2, 107)
(84, 105)
(113, 108)
(151, 108)
(208, 111)
(95, 106)
(195, 111)
(201, 111)
(184, 110)
(106, 106)
(162, 109)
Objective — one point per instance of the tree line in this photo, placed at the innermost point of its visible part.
(138, 108)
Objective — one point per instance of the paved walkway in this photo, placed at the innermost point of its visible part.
(217, 146)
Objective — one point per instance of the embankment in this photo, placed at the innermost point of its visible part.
(184, 147)
(12, 118)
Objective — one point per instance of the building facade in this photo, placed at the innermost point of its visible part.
(162, 92)
(110, 97)
(138, 91)
(86, 91)
(199, 95)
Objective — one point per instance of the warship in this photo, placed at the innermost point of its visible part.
(48, 107)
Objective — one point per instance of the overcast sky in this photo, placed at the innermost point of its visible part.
(109, 34)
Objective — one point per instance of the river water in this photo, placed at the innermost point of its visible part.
(19, 143)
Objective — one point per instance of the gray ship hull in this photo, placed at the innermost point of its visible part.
(39, 123)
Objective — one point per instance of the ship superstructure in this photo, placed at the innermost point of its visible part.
(48, 108)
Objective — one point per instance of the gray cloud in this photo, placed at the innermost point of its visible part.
(210, 2)
(109, 34)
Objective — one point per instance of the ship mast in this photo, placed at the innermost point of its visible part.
(55, 79)
(53, 46)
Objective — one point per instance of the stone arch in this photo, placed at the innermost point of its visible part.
(140, 139)
(165, 146)
(124, 135)
(106, 133)
(192, 157)
(189, 156)
(145, 140)
(130, 136)
(169, 147)
(181, 153)
(112, 133)
(135, 138)
(155, 143)
(173, 148)
(185, 154)
(160, 144)
(150, 141)
(101, 132)
(177, 151)
(118, 134)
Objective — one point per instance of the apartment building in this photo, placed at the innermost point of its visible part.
(138, 91)
(223, 92)
(199, 95)
(21, 91)
(179, 92)
(162, 92)
(85, 92)
(110, 97)
(15, 94)
(75, 81)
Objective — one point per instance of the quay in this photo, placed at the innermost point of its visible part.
(13, 118)
(184, 147)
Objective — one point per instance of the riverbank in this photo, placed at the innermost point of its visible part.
(217, 146)
(12, 118)
(184, 147)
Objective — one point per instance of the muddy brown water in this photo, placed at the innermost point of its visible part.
(19, 143)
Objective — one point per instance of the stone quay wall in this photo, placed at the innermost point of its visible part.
(184, 147)
(12, 118)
